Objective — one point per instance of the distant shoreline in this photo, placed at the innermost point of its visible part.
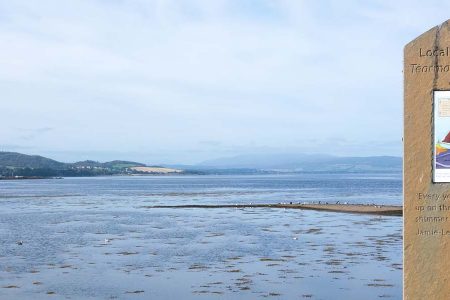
(14, 164)
(385, 210)
(27, 177)
(90, 176)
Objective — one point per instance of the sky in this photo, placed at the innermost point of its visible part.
(180, 82)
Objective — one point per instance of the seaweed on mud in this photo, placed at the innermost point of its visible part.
(380, 285)
(127, 253)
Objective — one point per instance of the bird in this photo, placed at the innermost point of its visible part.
(107, 241)
(19, 242)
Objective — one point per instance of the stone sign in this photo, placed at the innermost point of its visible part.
(427, 165)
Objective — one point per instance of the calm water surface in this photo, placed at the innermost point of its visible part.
(91, 238)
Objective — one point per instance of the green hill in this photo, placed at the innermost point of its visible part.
(120, 164)
(18, 160)
(13, 164)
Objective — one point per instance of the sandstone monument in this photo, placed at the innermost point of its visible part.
(427, 165)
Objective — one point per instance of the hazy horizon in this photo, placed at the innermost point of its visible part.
(181, 82)
(238, 158)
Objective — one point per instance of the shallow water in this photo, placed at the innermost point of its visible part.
(351, 188)
(91, 238)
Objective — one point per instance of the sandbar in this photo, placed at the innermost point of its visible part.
(387, 210)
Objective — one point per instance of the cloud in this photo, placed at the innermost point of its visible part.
(30, 134)
(165, 76)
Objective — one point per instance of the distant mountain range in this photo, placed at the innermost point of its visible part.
(306, 163)
(13, 164)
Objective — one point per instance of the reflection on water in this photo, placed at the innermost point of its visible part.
(96, 242)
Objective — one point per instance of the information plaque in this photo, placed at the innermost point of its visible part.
(441, 136)
(426, 166)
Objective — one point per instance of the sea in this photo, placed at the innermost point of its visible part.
(97, 238)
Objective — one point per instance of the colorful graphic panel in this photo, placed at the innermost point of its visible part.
(441, 136)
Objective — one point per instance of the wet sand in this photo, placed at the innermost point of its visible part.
(93, 238)
(229, 253)
(386, 210)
